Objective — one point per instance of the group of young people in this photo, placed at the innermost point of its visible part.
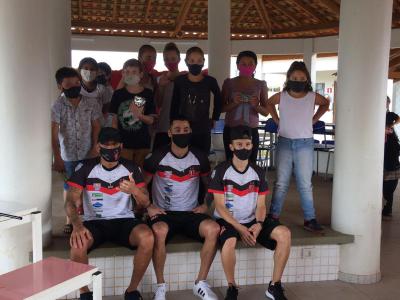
(137, 169)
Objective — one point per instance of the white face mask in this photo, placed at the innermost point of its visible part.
(132, 79)
(88, 76)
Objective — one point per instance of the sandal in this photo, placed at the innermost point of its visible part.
(68, 229)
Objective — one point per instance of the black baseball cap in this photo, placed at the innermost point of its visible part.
(240, 132)
(109, 134)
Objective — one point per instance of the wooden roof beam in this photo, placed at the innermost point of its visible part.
(182, 15)
(284, 10)
(308, 28)
(120, 26)
(115, 6)
(260, 6)
(243, 12)
(332, 5)
(311, 11)
(394, 63)
(148, 8)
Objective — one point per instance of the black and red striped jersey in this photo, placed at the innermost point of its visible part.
(176, 180)
(241, 189)
(102, 198)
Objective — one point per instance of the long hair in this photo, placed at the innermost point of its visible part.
(298, 66)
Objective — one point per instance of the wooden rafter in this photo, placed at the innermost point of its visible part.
(115, 10)
(394, 63)
(243, 12)
(148, 8)
(260, 6)
(332, 5)
(80, 9)
(119, 26)
(311, 11)
(308, 28)
(284, 10)
(182, 15)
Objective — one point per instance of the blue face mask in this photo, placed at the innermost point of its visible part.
(296, 86)
(195, 69)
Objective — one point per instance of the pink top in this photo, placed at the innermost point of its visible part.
(34, 278)
(244, 114)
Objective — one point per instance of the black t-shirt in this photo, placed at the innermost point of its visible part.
(135, 134)
(192, 100)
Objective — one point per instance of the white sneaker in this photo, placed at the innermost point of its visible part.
(160, 292)
(203, 290)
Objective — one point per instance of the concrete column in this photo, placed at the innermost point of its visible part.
(28, 48)
(310, 59)
(364, 42)
(219, 39)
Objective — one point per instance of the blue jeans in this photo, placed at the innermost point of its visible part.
(70, 167)
(294, 155)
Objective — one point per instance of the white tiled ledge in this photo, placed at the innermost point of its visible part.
(253, 266)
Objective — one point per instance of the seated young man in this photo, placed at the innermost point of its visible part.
(239, 188)
(177, 171)
(109, 185)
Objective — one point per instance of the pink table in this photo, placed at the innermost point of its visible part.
(50, 278)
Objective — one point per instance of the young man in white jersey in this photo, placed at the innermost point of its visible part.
(176, 172)
(239, 189)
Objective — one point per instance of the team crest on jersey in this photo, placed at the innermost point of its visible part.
(97, 186)
(252, 187)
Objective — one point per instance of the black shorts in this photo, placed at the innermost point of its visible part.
(115, 230)
(264, 238)
(182, 222)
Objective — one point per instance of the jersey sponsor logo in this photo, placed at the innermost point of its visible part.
(213, 174)
(97, 195)
(97, 186)
(97, 204)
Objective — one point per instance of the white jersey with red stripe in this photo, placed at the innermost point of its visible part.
(102, 198)
(176, 180)
(241, 189)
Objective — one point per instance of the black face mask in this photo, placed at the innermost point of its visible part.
(181, 140)
(242, 154)
(195, 69)
(73, 92)
(110, 155)
(297, 86)
(101, 79)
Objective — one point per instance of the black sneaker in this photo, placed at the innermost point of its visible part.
(86, 296)
(135, 295)
(275, 292)
(232, 293)
(313, 226)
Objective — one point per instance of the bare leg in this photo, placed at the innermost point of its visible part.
(282, 236)
(209, 230)
(228, 259)
(160, 230)
(142, 237)
(80, 255)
